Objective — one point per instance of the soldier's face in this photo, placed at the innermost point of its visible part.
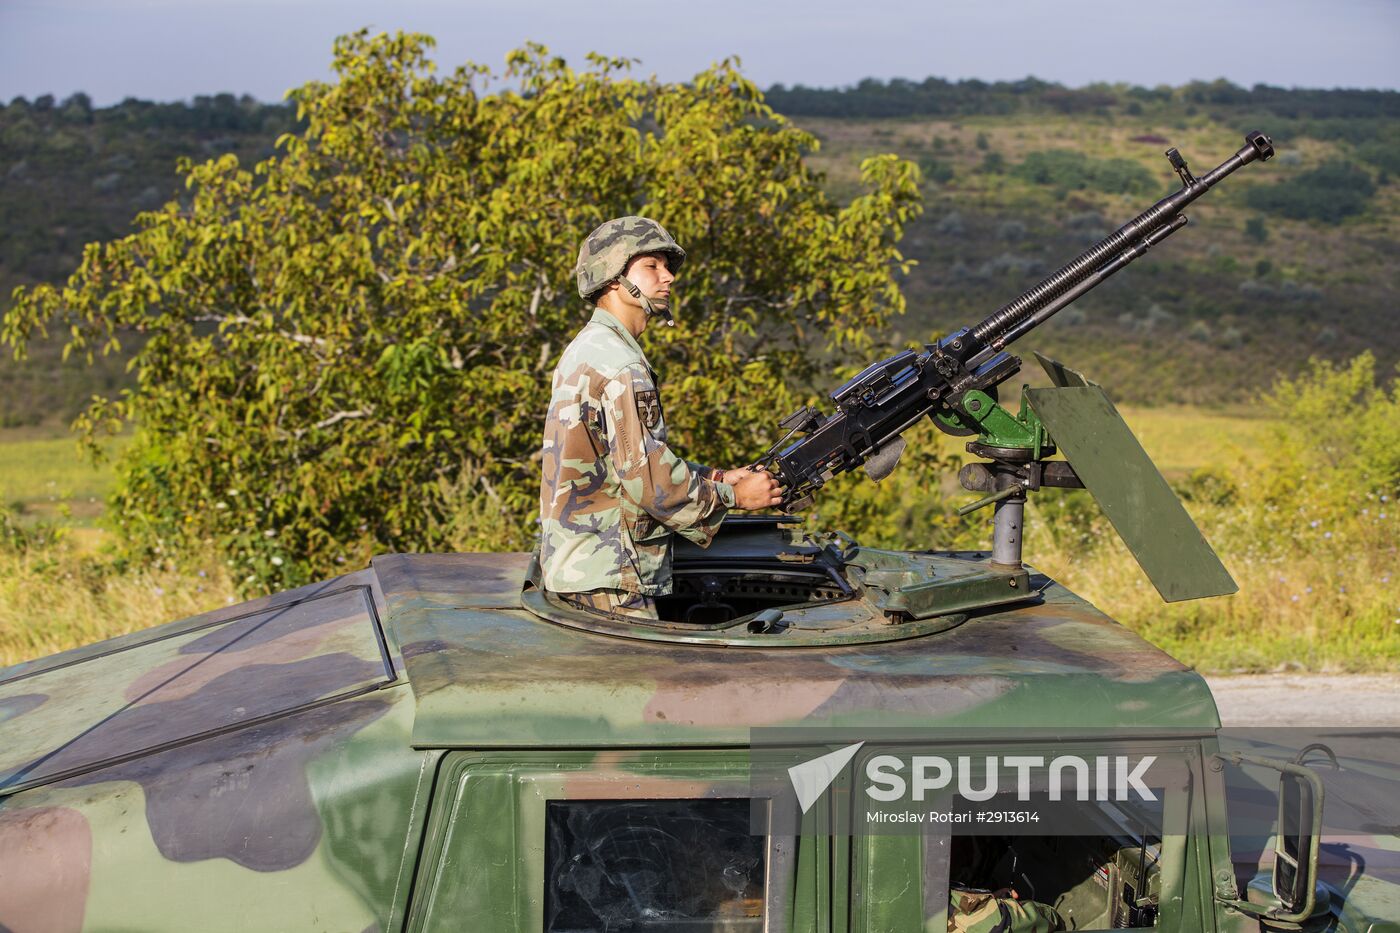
(651, 272)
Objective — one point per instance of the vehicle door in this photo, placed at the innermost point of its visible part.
(1102, 864)
(654, 840)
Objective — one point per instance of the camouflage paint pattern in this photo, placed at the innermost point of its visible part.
(607, 250)
(248, 769)
(612, 493)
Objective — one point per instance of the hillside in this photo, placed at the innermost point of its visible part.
(71, 174)
(1286, 260)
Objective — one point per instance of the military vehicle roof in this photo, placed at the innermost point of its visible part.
(487, 673)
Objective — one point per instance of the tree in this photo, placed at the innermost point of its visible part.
(348, 348)
(77, 108)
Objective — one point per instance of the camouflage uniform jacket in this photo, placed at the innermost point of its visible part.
(612, 492)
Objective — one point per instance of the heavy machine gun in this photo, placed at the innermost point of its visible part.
(954, 383)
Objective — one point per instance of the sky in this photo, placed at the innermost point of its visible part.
(175, 49)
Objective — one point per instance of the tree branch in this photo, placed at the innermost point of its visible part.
(342, 416)
(303, 339)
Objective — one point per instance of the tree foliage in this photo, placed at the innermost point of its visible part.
(1357, 457)
(347, 348)
(939, 97)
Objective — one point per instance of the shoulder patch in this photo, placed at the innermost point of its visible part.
(649, 407)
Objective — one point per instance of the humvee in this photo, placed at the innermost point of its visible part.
(432, 743)
(435, 743)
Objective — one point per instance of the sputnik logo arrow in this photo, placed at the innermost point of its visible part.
(813, 777)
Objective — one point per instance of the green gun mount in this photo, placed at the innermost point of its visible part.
(1076, 418)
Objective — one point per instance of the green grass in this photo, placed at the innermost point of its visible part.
(63, 595)
(1181, 439)
(43, 476)
(1307, 606)
(73, 592)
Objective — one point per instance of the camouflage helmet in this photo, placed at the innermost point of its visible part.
(606, 251)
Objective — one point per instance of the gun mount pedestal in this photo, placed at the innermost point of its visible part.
(1009, 518)
(1012, 472)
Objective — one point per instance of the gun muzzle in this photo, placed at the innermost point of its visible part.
(1262, 145)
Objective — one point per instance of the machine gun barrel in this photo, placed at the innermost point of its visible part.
(993, 331)
(1090, 281)
(948, 380)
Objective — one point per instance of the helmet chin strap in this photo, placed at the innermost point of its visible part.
(661, 309)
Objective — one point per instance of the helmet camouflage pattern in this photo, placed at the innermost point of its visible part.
(606, 251)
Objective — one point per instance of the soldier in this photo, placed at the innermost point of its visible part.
(612, 492)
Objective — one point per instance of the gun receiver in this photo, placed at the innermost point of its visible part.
(953, 382)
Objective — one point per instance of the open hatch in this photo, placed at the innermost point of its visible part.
(764, 580)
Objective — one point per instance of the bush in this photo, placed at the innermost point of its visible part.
(936, 170)
(20, 537)
(1351, 447)
(1330, 193)
(1384, 154)
(1011, 230)
(950, 224)
(1009, 264)
(1069, 170)
(1211, 484)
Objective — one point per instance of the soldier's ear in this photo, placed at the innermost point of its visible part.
(597, 297)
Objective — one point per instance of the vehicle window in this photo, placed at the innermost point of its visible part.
(132, 698)
(653, 865)
(1106, 876)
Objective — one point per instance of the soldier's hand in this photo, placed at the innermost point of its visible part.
(754, 489)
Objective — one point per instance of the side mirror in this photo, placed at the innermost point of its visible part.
(1295, 853)
(1300, 797)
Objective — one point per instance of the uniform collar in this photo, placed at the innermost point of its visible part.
(607, 320)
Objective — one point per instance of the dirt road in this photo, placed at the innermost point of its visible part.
(1308, 699)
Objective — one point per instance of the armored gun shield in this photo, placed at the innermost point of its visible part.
(1125, 483)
